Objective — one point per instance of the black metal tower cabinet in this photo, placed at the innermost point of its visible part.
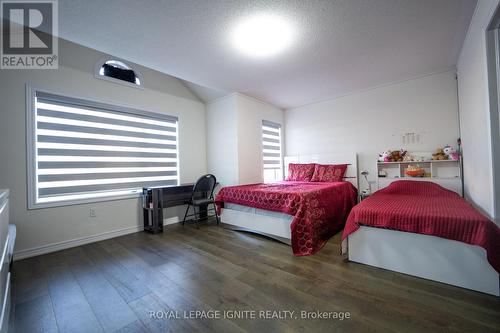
(152, 210)
(155, 199)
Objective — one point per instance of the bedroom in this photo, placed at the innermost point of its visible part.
(105, 136)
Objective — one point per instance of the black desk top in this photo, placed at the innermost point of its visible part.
(169, 186)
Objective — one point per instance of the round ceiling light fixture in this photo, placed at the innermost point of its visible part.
(262, 35)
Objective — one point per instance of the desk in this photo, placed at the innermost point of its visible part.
(155, 199)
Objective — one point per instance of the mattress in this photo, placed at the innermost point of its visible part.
(426, 208)
(318, 210)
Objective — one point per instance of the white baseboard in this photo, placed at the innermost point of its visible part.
(44, 249)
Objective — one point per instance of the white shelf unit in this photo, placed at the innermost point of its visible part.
(6, 243)
(446, 173)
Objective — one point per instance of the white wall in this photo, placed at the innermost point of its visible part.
(373, 121)
(250, 114)
(474, 110)
(234, 137)
(75, 77)
(222, 141)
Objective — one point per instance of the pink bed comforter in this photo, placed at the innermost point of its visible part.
(319, 209)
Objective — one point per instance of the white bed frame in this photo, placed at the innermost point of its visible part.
(279, 228)
(424, 256)
(428, 257)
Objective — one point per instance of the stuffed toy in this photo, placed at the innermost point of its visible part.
(439, 155)
(409, 158)
(451, 153)
(403, 154)
(394, 156)
(398, 155)
(384, 156)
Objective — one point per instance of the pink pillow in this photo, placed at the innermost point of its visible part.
(329, 173)
(300, 172)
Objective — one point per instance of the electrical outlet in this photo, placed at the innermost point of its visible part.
(92, 212)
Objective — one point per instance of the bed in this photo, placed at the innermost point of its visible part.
(299, 213)
(424, 230)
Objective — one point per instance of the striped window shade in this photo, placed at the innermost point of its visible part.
(84, 151)
(271, 151)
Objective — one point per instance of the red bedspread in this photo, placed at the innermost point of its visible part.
(319, 209)
(427, 208)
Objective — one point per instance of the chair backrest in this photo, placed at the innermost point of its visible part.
(204, 187)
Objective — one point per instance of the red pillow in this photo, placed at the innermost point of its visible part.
(300, 172)
(329, 173)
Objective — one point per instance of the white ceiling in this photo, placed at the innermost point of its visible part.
(342, 46)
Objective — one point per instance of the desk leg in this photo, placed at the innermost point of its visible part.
(146, 216)
(157, 225)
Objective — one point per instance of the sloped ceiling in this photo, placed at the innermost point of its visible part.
(342, 46)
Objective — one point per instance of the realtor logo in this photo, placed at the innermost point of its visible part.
(29, 34)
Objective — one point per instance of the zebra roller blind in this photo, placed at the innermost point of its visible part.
(85, 150)
(271, 151)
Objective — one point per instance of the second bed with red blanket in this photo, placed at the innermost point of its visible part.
(319, 209)
(426, 208)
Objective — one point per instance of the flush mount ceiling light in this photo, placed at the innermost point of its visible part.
(262, 35)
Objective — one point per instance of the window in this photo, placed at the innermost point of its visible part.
(271, 151)
(119, 72)
(81, 151)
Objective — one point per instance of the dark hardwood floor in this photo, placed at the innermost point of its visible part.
(114, 285)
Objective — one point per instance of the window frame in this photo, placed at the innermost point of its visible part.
(493, 74)
(103, 60)
(280, 127)
(31, 163)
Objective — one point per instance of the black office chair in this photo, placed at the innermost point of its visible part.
(201, 198)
